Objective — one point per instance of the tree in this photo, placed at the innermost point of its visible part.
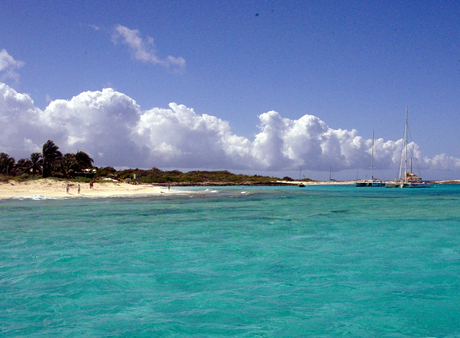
(83, 160)
(51, 155)
(69, 165)
(36, 163)
(72, 164)
(6, 163)
(23, 166)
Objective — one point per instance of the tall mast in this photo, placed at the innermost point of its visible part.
(405, 149)
(372, 157)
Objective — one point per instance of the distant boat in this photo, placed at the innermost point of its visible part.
(330, 174)
(408, 179)
(373, 182)
(301, 185)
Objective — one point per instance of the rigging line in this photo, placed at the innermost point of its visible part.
(412, 152)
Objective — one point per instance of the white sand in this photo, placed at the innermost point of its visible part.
(57, 189)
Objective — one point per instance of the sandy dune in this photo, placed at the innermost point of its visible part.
(58, 189)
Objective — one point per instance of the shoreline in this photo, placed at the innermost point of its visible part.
(49, 188)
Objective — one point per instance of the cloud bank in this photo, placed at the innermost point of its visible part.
(115, 131)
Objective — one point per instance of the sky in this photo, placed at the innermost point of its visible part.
(279, 88)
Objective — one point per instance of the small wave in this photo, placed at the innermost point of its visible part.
(37, 198)
(211, 190)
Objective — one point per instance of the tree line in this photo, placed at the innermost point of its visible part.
(52, 163)
(49, 163)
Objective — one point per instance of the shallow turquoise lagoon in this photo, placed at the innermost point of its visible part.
(321, 261)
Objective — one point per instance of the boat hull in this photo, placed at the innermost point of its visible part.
(416, 185)
(407, 185)
(373, 184)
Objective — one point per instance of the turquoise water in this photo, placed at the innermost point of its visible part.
(232, 262)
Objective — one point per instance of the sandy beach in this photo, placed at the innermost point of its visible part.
(50, 188)
(58, 189)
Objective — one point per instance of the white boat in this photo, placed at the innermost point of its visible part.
(373, 182)
(408, 179)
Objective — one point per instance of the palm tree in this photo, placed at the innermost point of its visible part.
(83, 160)
(23, 166)
(6, 163)
(36, 160)
(69, 165)
(51, 155)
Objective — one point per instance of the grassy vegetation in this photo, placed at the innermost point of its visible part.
(51, 163)
(157, 176)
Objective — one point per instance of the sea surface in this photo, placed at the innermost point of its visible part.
(321, 261)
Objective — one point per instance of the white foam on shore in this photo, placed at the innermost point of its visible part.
(211, 190)
(37, 198)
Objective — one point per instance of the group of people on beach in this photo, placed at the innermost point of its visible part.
(67, 188)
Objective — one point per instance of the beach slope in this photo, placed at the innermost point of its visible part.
(58, 189)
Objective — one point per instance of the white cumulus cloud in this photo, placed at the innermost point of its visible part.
(97, 122)
(115, 131)
(8, 65)
(19, 122)
(179, 135)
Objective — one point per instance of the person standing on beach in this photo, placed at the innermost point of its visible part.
(67, 187)
(91, 184)
(78, 188)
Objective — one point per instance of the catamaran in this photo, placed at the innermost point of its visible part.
(373, 182)
(408, 179)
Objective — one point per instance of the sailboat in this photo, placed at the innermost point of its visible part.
(301, 185)
(408, 179)
(373, 182)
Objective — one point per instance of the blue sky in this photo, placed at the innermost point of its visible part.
(257, 69)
